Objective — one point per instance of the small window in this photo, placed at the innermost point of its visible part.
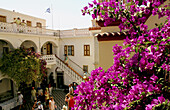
(69, 50)
(85, 68)
(2, 18)
(86, 50)
(29, 23)
(39, 25)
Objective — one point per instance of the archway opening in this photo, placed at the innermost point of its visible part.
(49, 48)
(8, 89)
(5, 47)
(30, 45)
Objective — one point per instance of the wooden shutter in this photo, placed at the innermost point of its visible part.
(72, 50)
(86, 50)
(39, 25)
(2, 18)
(65, 50)
(29, 23)
(48, 49)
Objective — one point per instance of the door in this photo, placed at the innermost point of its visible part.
(60, 80)
(49, 49)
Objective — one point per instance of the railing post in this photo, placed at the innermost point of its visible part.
(74, 31)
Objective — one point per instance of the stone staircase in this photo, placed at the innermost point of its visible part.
(54, 59)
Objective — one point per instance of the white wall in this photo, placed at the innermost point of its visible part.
(10, 15)
(79, 57)
(5, 85)
(16, 39)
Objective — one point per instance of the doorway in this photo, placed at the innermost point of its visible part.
(49, 49)
(60, 80)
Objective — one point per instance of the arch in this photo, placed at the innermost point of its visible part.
(7, 42)
(49, 48)
(29, 44)
(48, 42)
(5, 47)
(9, 89)
(6, 77)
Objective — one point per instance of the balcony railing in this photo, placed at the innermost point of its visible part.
(74, 33)
(14, 28)
(50, 59)
(53, 59)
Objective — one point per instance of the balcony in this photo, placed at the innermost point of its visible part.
(14, 28)
(75, 33)
(50, 59)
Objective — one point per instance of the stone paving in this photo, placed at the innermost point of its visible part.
(59, 98)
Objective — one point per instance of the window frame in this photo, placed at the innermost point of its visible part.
(86, 50)
(85, 66)
(38, 24)
(3, 18)
(29, 23)
(66, 50)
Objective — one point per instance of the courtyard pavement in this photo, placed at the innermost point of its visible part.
(59, 98)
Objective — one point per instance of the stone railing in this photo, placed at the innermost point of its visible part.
(14, 28)
(68, 70)
(50, 59)
(53, 59)
(75, 33)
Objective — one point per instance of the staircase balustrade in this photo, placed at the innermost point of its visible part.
(53, 59)
(68, 70)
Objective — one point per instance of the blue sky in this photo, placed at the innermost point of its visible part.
(66, 13)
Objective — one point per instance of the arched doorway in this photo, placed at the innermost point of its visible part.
(8, 89)
(60, 79)
(29, 45)
(49, 48)
(5, 47)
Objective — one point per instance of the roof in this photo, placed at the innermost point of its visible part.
(108, 36)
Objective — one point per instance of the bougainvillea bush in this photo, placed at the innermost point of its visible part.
(139, 76)
(23, 66)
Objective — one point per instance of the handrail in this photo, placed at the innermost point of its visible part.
(77, 65)
(69, 66)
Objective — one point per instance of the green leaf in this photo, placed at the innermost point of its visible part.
(136, 49)
(103, 12)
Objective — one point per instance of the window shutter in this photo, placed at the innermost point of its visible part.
(72, 50)
(85, 50)
(88, 50)
(65, 50)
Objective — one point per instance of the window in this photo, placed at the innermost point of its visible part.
(5, 50)
(39, 25)
(2, 18)
(86, 50)
(85, 68)
(29, 23)
(69, 50)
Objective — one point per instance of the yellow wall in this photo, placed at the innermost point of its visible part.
(154, 19)
(106, 54)
(110, 29)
